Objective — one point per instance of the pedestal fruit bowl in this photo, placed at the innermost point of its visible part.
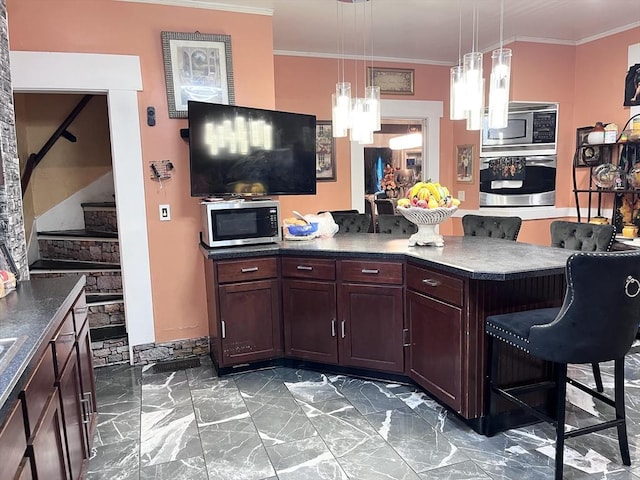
(427, 204)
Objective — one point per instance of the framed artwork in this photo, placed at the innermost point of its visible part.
(392, 81)
(464, 163)
(581, 135)
(325, 151)
(197, 67)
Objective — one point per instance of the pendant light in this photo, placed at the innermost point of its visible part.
(341, 99)
(499, 81)
(473, 80)
(457, 85)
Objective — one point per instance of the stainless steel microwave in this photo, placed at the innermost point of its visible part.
(240, 222)
(532, 129)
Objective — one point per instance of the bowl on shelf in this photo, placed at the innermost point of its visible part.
(633, 177)
(607, 175)
(426, 219)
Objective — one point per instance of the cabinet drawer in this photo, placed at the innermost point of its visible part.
(38, 388)
(63, 342)
(435, 284)
(13, 442)
(368, 271)
(311, 268)
(249, 269)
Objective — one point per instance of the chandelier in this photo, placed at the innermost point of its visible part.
(359, 115)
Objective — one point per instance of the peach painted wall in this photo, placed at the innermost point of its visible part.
(309, 91)
(106, 26)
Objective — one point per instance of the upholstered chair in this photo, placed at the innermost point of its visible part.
(385, 206)
(352, 222)
(369, 209)
(586, 237)
(396, 224)
(597, 322)
(489, 226)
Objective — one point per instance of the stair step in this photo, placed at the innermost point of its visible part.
(46, 265)
(79, 234)
(98, 205)
(94, 299)
(100, 216)
(110, 332)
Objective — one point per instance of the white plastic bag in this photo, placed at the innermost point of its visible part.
(327, 227)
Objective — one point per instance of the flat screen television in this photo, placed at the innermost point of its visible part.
(240, 151)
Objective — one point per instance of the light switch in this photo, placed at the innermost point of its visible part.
(461, 195)
(165, 213)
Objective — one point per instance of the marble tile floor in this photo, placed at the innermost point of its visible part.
(286, 424)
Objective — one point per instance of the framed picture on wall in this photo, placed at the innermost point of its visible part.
(325, 152)
(392, 81)
(197, 67)
(464, 163)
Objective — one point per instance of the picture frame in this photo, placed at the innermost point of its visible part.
(325, 151)
(581, 135)
(197, 67)
(392, 81)
(464, 163)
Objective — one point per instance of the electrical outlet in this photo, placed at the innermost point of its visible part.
(461, 195)
(165, 213)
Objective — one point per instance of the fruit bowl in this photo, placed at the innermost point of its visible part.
(302, 230)
(426, 219)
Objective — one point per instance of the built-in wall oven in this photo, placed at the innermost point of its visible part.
(518, 162)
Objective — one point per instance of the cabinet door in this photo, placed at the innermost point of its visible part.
(250, 321)
(72, 415)
(13, 442)
(435, 354)
(87, 384)
(49, 450)
(371, 327)
(310, 327)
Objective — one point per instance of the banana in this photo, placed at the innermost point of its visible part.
(434, 191)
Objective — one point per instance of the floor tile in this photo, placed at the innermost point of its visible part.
(118, 421)
(116, 461)
(307, 459)
(366, 395)
(192, 468)
(459, 471)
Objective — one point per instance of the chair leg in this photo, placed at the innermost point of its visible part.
(490, 380)
(597, 377)
(620, 413)
(561, 387)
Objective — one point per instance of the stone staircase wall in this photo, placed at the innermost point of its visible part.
(82, 250)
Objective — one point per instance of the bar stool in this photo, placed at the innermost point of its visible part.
(490, 226)
(596, 323)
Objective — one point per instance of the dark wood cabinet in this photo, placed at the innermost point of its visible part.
(370, 314)
(437, 334)
(250, 321)
(371, 327)
(48, 442)
(309, 309)
(72, 416)
(13, 443)
(87, 385)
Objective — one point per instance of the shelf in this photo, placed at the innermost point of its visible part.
(605, 190)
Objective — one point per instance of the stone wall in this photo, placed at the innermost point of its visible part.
(158, 352)
(82, 250)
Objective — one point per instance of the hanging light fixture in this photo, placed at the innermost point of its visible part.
(473, 80)
(457, 85)
(360, 115)
(499, 81)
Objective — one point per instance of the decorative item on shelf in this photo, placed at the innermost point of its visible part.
(607, 176)
(633, 177)
(599, 221)
(388, 182)
(596, 136)
(591, 156)
(610, 133)
(630, 231)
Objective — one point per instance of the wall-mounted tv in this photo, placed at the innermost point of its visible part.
(249, 151)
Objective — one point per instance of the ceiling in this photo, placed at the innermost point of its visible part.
(426, 31)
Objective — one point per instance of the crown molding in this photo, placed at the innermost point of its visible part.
(608, 33)
(206, 5)
(295, 53)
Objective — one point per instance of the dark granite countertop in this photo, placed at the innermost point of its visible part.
(472, 257)
(31, 314)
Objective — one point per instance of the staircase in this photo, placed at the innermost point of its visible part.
(94, 252)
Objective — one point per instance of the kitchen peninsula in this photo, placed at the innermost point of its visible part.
(371, 304)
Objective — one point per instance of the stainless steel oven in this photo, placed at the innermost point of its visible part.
(518, 181)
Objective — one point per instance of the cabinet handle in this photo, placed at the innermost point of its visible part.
(342, 326)
(431, 282)
(304, 267)
(249, 270)
(405, 336)
(86, 419)
(333, 327)
(224, 329)
(370, 271)
(90, 400)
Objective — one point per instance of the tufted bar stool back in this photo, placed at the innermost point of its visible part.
(597, 322)
(352, 222)
(396, 224)
(585, 237)
(489, 226)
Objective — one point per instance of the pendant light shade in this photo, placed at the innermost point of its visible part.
(474, 88)
(372, 98)
(341, 111)
(499, 88)
(457, 93)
